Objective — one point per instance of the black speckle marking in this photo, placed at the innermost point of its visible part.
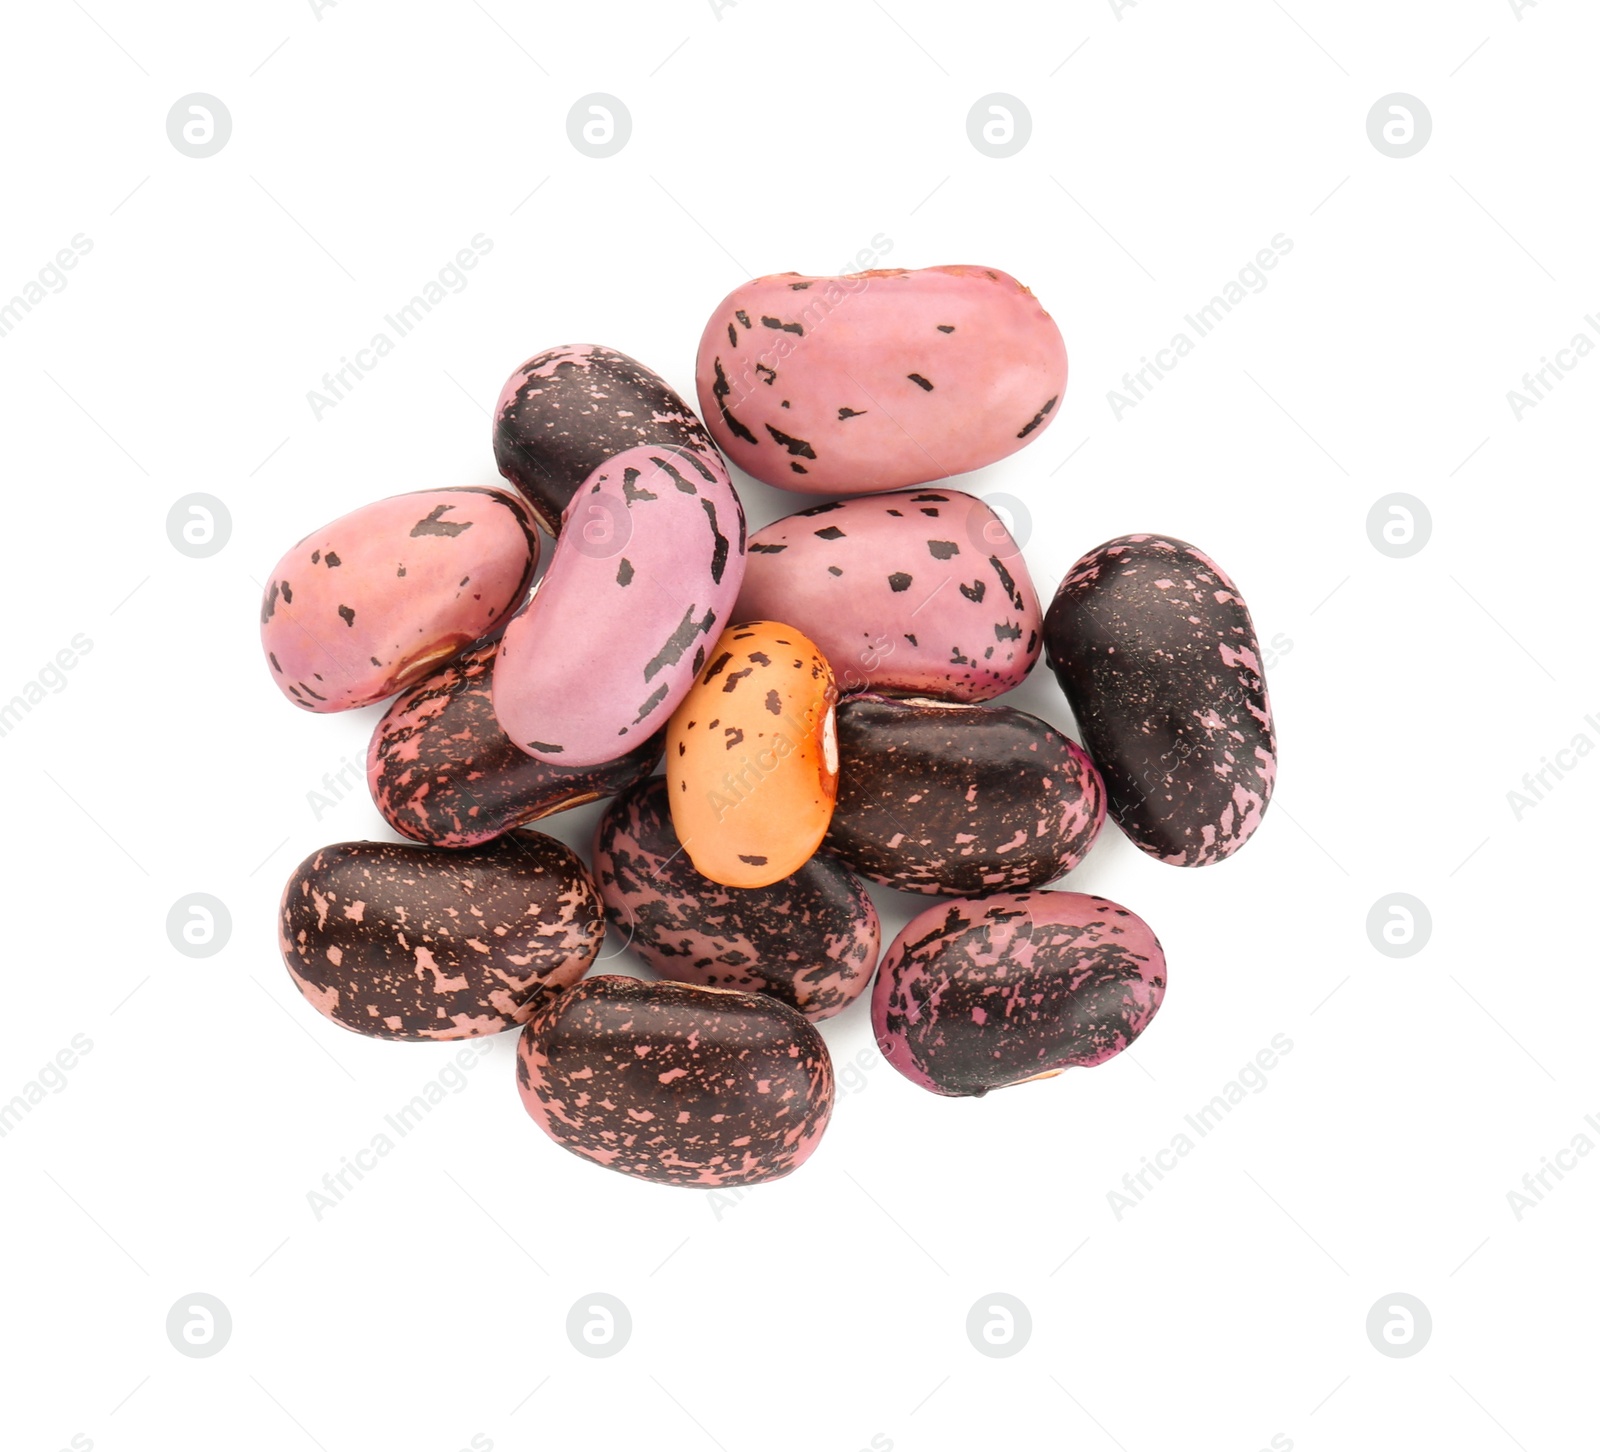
(899, 582)
(672, 652)
(288, 598)
(945, 327)
(943, 549)
(835, 570)
(683, 486)
(734, 677)
(1007, 632)
(793, 445)
(719, 542)
(921, 382)
(625, 573)
(743, 317)
(720, 390)
(799, 286)
(930, 498)
(760, 657)
(347, 615)
(769, 376)
(279, 668)
(930, 511)
(775, 703)
(400, 574)
(553, 749)
(767, 549)
(912, 639)
(784, 404)
(831, 532)
(782, 327)
(975, 591)
(732, 736)
(798, 468)
(716, 669)
(435, 523)
(733, 336)
(817, 509)
(374, 659)
(654, 699)
(1010, 585)
(631, 493)
(1036, 420)
(845, 413)
(316, 557)
(753, 861)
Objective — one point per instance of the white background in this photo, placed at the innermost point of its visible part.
(1169, 145)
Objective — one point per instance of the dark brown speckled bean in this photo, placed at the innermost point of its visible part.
(442, 771)
(677, 1084)
(1158, 657)
(567, 410)
(406, 942)
(940, 797)
(810, 939)
(977, 994)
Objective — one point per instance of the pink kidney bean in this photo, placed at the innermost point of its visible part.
(922, 592)
(878, 380)
(362, 607)
(635, 596)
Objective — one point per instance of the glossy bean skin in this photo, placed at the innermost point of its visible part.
(374, 601)
(752, 760)
(976, 994)
(442, 771)
(1158, 656)
(940, 797)
(809, 940)
(878, 380)
(404, 942)
(923, 592)
(626, 616)
(567, 410)
(677, 1084)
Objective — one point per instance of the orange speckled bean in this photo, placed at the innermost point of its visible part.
(752, 761)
